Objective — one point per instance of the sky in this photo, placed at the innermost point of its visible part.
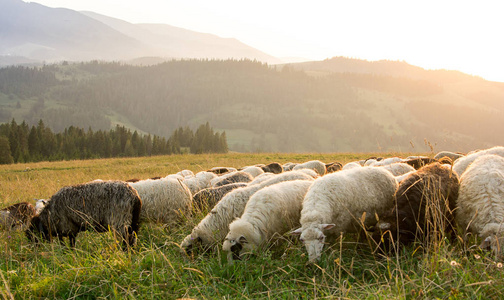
(442, 34)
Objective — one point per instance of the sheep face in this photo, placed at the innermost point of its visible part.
(193, 244)
(313, 239)
(234, 247)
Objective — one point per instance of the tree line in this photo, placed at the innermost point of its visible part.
(20, 143)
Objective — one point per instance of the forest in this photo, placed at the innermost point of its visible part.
(262, 108)
(21, 143)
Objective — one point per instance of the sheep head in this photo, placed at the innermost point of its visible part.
(313, 238)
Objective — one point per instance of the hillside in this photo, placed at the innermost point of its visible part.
(31, 33)
(263, 108)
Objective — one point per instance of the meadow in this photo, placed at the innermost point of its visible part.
(156, 269)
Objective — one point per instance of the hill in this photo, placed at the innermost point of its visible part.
(33, 33)
(262, 108)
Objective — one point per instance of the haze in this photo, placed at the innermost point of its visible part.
(454, 35)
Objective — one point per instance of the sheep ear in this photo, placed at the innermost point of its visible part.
(242, 240)
(327, 226)
(296, 232)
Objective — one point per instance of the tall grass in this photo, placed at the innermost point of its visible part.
(97, 269)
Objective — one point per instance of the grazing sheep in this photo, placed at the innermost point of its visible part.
(351, 165)
(461, 164)
(369, 162)
(261, 178)
(172, 176)
(340, 202)
(270, 212)
(273, 167)
(288, 166)
(238, 176)
(387, 161)
(424, 207)
(98, 206)
(315, 165)
(17, 215)
(199, 181)
(309, 172)
(333, 167)
(253, 170)
(207, 198)
(452, 155)
(221, 170)
(185, 173)
(480, 205)
(214, 227)
(398, 168)
(164, 200)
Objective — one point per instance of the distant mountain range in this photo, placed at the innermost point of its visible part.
(30, 33)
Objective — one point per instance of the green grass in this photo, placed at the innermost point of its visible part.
(156, 269)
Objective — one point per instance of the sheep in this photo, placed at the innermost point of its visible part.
(185, 173)
(342, 202)
(270, 212)
(289, 166)
(172, 176)
(253, 170)
(214, 227)
(480, 205)
(333, 167)
(351, 165)
(398, 168)
(238, 176)
(221, 170)
(387, 161)
(369, 162)
(273, 167)
(461, 164)
(164, 200)
(315, 165)
(419, 162)
(100, 206)
(424, 208)
(207, 198)
(309, 172)
(199, 181)
(261, 178)
(17, 215)
(452, 155)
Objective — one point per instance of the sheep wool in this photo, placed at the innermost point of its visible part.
(238, 176)
(207, 198)
(98, 206)
(270, 212)
(336, 202)
(398, 168)
(480, 205)
(164, 200)
(200, 181)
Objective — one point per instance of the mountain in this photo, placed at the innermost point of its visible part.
(32, 32)
(263, 107)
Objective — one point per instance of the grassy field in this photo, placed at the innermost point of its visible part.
(156, 269)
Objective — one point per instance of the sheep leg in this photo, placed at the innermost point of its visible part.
(71, 239)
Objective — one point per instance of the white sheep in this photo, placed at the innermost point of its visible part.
(351, 165)
(480, 205)
(164, 200)
(453, 156)
(270, 212)
(185, 173)
(387, 161)
(199, 181)
(253, 170)
(309, 172)
(336, 202)
(315, 165)
(288, 166)
(232, 177)
(461, 164)
(261, 178)
(398, 168)
(214, 227)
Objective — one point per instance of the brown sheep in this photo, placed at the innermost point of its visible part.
(273, 167)
(424, 204)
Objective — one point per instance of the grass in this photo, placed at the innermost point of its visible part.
(156, 269)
